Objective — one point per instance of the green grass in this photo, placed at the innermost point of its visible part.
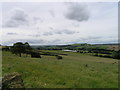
(70, 72)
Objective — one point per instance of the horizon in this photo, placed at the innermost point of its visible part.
(59, 23)
(70, 44)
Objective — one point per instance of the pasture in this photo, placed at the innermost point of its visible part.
(75, 70)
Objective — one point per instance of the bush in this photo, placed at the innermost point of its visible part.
(81, 51)
(100, 55)
(5, 48)
(116, 54)
(35, 55)
(58, 57)
(96, 54)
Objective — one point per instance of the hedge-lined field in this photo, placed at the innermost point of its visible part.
(75, 70)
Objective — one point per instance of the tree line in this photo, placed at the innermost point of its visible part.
(24, 48)
(20, 48)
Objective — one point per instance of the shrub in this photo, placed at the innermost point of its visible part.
(5, 48)
(100, 55)
(35, 55)
(96, 54)
(116, 54)
(58, 57)
(81, 51)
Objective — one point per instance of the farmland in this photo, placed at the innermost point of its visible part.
(75, 70)
(67, 44)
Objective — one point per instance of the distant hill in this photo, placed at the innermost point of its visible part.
(75, 46)
(109, 44)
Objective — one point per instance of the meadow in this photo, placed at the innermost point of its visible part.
(75, 70)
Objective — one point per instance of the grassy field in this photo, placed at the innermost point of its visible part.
(73, 71)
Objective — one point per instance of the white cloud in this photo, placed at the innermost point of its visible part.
(52, 13)
(36, 21)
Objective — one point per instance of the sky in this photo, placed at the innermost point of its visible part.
(58, 23)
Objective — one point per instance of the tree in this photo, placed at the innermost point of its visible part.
(27, 48)
(18, 48)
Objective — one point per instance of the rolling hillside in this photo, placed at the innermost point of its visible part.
(74, 71)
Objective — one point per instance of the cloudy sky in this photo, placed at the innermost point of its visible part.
(51, 23)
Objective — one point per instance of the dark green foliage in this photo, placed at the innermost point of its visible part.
(35, 55)
(107, 56)
(6, 48)
(19, 48)
(27, 46)
(58, 57)
(116, 54)
(96, 50)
